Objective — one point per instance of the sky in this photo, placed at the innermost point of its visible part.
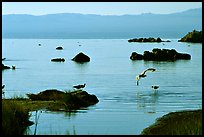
(99, 8)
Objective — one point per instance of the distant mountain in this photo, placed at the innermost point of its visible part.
(69, 25)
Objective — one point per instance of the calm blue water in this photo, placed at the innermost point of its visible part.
(123, 107)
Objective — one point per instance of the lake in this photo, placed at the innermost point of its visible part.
(124, 108)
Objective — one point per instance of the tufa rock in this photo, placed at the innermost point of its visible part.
(81, 57)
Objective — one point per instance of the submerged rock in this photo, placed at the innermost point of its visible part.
(81, 57)
(58, 60)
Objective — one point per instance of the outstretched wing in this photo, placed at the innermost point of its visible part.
(149, 69)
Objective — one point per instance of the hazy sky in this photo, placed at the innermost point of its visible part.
(101, 8)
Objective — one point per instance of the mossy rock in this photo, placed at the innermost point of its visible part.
(69, 100)
(194, 37)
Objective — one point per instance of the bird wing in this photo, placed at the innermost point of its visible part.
(149, 69)
(143, 72)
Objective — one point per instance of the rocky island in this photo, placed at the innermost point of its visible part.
(160, 55)
(194, 37)
(147, 40)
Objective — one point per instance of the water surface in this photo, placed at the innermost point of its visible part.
(124, 107)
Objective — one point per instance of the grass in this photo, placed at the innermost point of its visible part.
(15, 119)
(177, 123)
(15, 111)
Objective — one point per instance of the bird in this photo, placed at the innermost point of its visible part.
(3, 93)
(13, 67)
(79, 86)
(142, 75)
(155, 87)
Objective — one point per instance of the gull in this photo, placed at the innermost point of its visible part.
(142, 75)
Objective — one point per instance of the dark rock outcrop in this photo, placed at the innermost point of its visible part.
(59, 48)
(160, 55)
(71, 100)
(136, 56)
(81, 57)
(4, 67)
(147, 40)
(194, 37)
(58, 60)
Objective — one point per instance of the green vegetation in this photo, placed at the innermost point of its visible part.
(15, 111)
(15, 119)
(194, 37)
(177, 123)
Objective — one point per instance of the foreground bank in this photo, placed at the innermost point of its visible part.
(177, 123)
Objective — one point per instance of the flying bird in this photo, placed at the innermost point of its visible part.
(142, 75)
(79, 86)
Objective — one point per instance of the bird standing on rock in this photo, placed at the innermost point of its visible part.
(79, 86)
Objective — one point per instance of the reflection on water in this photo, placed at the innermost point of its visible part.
(147, 102)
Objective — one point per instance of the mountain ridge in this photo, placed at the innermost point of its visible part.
(74, 25)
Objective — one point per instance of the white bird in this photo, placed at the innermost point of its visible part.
(142, 75)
